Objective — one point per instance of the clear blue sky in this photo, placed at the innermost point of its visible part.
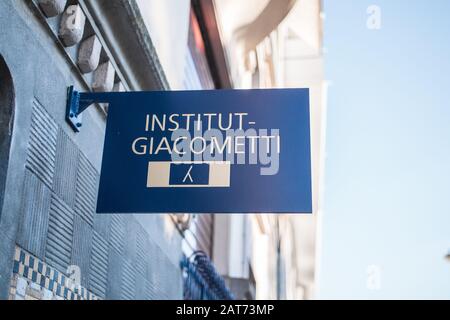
(387, 183)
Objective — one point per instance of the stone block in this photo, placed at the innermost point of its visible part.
(72, 26)
(104, 78)
(89, 54)
(52, 8)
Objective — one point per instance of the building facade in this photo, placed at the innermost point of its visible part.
(49, 230)
(52, 243)
(274, 44)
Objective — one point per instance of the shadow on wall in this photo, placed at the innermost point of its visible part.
(6, 123)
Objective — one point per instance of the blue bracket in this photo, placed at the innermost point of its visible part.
(77, 102)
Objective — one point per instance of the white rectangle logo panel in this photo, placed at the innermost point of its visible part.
(159, 175)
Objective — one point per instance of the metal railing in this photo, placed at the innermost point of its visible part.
(201, 280)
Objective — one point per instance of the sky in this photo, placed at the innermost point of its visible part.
(386, 209)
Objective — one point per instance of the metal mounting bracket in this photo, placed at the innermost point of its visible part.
(77, 102)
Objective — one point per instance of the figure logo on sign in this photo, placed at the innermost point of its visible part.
(168, 174)
(188, 175)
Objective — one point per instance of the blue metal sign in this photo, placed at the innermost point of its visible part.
(228, 151)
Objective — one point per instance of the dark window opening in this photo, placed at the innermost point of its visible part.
(6, 123)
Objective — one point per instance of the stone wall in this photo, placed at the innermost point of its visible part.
(48, 211)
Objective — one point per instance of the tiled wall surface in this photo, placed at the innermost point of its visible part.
(59, 225)
(35, 280)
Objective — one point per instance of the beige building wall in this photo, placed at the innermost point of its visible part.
(167, 22)
(289, 55)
